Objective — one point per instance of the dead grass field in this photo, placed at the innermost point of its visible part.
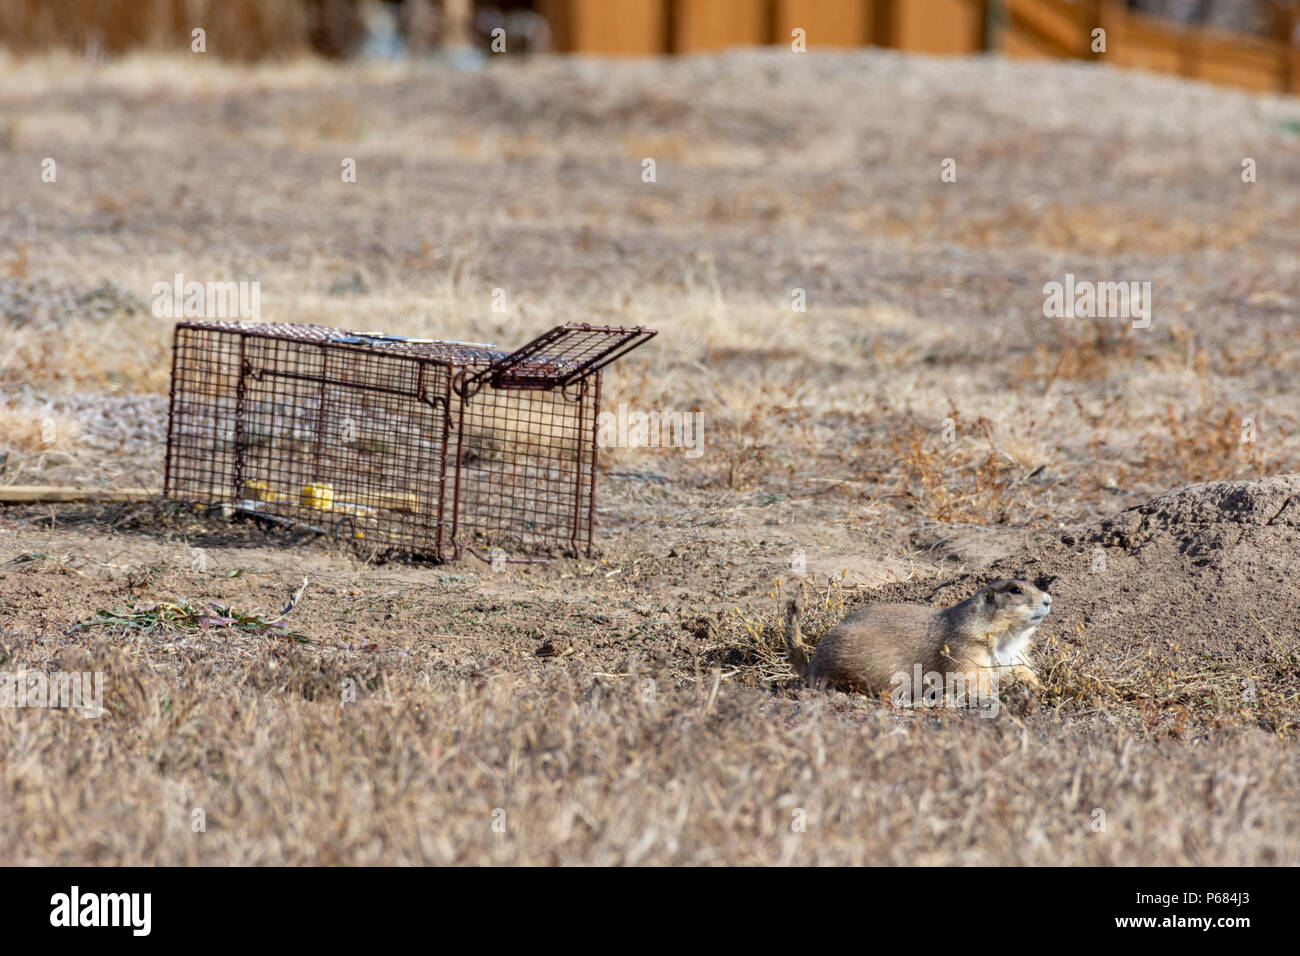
(921, 426)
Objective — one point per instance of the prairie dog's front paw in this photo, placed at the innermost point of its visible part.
(1023, 675)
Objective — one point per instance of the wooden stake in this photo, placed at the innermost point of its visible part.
(27, 494)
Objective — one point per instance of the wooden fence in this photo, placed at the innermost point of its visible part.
(1059, 28)
(689, 26)
(1016, 28)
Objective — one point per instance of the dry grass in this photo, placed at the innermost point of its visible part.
(592, 770)
(33, 431)
(128, 354)
(1159, 699)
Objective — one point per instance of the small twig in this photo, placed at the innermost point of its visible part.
(713, 691)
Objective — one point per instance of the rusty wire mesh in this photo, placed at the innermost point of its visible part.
(417, 446)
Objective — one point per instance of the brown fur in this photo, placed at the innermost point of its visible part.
(990, 631)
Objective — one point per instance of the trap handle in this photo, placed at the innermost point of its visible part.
(560, 357)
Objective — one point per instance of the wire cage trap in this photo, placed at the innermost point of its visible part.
(409, 445)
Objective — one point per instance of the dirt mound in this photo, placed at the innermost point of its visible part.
(1189, 594)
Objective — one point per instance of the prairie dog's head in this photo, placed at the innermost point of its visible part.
(1013, 604)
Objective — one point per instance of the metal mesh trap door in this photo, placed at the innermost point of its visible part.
(525, 452)
(524, 471)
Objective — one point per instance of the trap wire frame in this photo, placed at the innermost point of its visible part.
(429, 447)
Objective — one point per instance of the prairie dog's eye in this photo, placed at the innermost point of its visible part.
(1015, 589)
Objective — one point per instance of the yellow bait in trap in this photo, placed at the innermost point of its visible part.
(319, 495)
(258, 491)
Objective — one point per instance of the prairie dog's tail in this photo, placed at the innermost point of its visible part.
(796, 650)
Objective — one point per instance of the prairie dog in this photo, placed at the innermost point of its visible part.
(991, 631)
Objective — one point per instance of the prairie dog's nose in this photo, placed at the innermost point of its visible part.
(1047, 598)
